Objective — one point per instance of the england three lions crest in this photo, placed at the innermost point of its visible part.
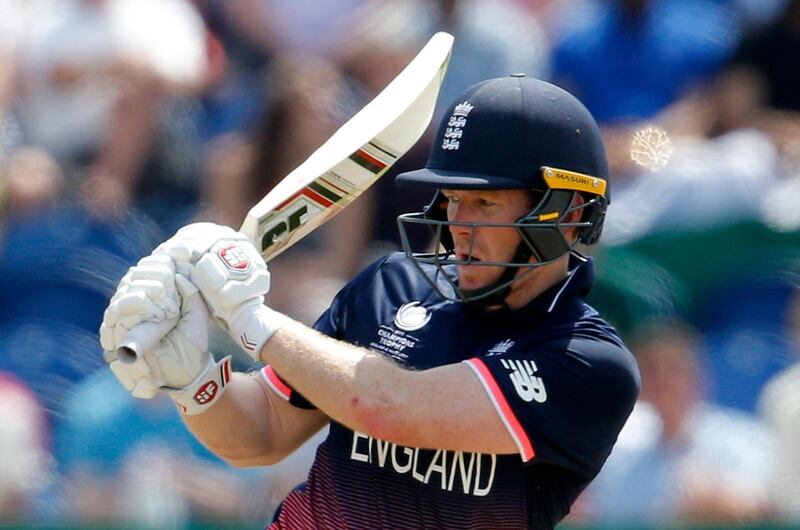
(455, 126)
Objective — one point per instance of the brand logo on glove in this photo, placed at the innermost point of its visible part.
(206, 393)
(234, 258)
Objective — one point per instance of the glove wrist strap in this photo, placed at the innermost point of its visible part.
(254, 326)
(206, 389)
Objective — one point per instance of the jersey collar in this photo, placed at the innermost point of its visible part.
(576, 285)
(562, 295)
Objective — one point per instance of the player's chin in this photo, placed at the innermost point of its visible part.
(472, 277)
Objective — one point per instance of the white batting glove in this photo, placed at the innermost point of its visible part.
(233, 278)
(179, 363)
(143, 309)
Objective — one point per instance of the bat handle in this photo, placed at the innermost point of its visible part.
(142, 339)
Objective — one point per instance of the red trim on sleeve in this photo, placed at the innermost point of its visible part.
(503, 408)
(276, 383)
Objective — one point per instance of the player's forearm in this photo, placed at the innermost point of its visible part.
(237, 427)
(354, 386)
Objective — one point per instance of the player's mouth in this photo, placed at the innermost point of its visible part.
(463, 256)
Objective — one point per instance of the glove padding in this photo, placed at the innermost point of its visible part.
(147, 293)
(232, 277)
(192, 241)
(177, 360)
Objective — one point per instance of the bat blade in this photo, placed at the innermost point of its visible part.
(354, 157)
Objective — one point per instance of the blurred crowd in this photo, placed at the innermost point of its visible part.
(122, 120)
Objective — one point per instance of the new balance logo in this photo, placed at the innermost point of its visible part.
(500, 348)
(528, 386)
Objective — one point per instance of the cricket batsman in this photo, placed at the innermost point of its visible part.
(470, 387)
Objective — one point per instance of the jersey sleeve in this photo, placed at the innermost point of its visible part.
(565, 403)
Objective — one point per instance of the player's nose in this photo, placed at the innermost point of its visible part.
(461, 232)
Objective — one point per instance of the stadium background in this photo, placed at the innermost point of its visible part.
(122, 120)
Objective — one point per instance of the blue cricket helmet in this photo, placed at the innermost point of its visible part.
(517, 132)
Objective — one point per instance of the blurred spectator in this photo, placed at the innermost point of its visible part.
(633, 62)
(758, 80)
(493, 38)
(780, 408)
(32, 183)
(720, 154)
(129, 461)
(630, 59)
(294, 27)
(92, 75)
(761, 90)
(59, 266)
(25, 462)
(235, 97)
(704, 183)
(680, 458)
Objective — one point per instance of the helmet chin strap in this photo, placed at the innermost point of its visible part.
(521, 255)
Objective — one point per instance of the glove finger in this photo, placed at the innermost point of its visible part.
(111, 314)
(163, 279)
(178, 363)
(107, 337)
(192, 304)
(129, 373)
(141, 305)
(120, 330)
(154, 267)
(156, 261)
(193, 324)
(132, 321)
(202, 236)
(180, 251)
(123, 283)
(145, 389)
(132, 303)
(122, 376)
(185, 287)
(159, 292)
(109, 356)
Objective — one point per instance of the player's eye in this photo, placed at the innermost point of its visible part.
(486, 203)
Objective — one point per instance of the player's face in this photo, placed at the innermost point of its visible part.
(488, 243)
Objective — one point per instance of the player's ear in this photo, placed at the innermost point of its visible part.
(574, 216)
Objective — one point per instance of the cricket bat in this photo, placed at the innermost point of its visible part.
(342, 168)
(351, 160)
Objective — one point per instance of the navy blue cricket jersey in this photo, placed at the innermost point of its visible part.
(559, 376)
